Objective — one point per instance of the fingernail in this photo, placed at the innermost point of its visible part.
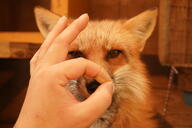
(83, 15)
(111, 86)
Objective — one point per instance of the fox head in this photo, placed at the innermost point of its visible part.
(116, 46)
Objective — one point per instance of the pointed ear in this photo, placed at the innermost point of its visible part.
(142, 26)
(45, 20)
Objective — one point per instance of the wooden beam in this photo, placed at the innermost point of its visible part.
(77, 8)
(60, 7)
(21, 37)
(175, 30)
(18, 50)
(164, 15)
(69, 8)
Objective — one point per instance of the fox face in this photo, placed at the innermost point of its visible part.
(116, 46)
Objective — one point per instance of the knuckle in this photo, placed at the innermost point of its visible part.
(46, 73)
(32, 61)
(44, 46)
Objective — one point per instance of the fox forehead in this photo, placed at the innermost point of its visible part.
(103, 35)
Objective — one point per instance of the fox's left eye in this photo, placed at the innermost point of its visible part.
(76, 54)
(113, 53)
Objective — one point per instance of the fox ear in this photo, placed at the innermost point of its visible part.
(142, 26)
(45, 20)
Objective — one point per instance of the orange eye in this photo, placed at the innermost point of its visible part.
(113, 53)
(75, 54)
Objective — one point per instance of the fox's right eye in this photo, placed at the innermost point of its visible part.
(75, 54)
(113, 54)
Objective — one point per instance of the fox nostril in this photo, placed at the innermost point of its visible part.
(92, 86)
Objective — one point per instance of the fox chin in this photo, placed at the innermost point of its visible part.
(116, 46)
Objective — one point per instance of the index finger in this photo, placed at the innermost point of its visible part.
(59, 48)
(76, 68)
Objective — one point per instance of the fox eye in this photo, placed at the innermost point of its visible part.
(113, 53)
(76, 54)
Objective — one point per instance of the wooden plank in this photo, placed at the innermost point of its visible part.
(19, 17)
(70, 8)
(99, 9)
(18, 50)
(60, 7)
(21, 37)
(164, 13)
(178, 31)
(175, 33)
(77, 7)
(189, 36)
(5, 51)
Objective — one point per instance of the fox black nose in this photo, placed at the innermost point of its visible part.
(92, 86)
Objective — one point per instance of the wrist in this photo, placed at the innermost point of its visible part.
(27, 123)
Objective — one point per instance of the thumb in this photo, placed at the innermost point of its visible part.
(98, 102)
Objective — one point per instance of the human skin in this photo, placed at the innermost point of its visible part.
(48, 102)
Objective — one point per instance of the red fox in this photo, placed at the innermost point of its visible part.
(116, 46)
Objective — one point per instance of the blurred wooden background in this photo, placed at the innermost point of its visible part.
(17, 47)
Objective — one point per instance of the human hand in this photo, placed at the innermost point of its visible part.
(48, 103)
